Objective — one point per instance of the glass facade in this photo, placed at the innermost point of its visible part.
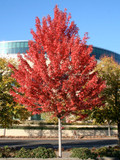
(36, 117)
(99, 52)
(13, 47)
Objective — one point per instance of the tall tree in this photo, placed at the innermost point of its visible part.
(103, 115)
(109, 70)
(56, 75)
(8, 108)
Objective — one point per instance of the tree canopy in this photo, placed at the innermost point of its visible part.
(59, 77)
(109, 70)
(8, 108)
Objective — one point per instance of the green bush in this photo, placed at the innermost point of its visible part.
(1, 155)
(39, 152)
(23, 153)
(108, 152)
(102, 151)
(83, 153)
(6, 152)
(42, 152)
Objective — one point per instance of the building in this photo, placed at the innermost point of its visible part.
(11, 48)
(98, 52)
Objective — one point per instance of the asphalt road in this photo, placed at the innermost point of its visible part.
(66, 144)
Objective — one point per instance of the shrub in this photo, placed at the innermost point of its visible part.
(102, 151)
(83, 153)
(1, 155)
(6, 152)
(42, 152)
(39, 152)
(23, 153)
(108, 152)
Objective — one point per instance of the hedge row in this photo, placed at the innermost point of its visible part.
(85, 153)
(40, 152)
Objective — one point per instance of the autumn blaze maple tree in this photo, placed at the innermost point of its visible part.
(57, 73)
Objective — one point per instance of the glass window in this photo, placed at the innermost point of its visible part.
(10, 45)
(26, 44)
(13, 44)
(12, 50)
(22, 44)
(8, 50)
(1, 45)
(21, 50)
(36, 117)
(17, 44)
(5, 51)
(17, 50)
(6, 45)
(24, 49)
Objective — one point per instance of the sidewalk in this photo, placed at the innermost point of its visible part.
(40, 159)
(65, 156)
(56, 138)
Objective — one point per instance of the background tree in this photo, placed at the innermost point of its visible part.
(109, 70)
(61, 81)
(9, 110)
(102, 115)
(49, 118)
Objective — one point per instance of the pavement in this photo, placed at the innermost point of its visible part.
(67, 144)
(65, 153)
(40, 158)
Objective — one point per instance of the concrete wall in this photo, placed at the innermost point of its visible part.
(54, 133)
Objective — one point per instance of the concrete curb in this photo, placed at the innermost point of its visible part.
(103, 158)
(40, 159)
(35, 138)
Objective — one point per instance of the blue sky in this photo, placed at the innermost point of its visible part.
(100, 18)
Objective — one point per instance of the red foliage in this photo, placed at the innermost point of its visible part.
(61, 81)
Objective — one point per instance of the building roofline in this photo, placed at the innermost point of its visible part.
(15, 41)
(92, 45)
(106, 50)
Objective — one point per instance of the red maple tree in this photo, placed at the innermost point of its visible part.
(57, 73)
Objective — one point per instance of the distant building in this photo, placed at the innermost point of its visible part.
(11, 48)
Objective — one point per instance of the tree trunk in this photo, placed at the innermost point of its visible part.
(4, 132)
(118, 133)
(60, 137)
(109, 130)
